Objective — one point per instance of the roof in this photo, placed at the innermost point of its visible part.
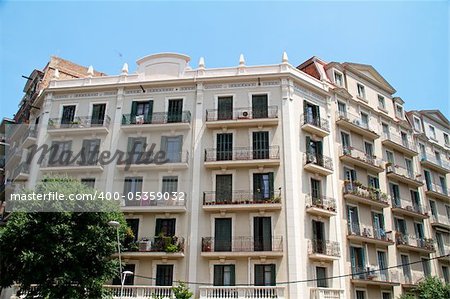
(370, 74)
(435, 115)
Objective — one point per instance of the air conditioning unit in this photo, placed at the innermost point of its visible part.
(356, 122)
(245, 114)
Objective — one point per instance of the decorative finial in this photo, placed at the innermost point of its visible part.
(285, 58)
(125, 69)
(90, 71)
(241, 60)
(56, 74)
(201, 63)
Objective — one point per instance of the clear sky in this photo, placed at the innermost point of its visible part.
(407, 42)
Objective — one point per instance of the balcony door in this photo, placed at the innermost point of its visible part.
(224, 145)
(175, 111)
(261, 145)
(415, 198)
(349, 174)
(314, 151)
(224, 187)
(98, 114)
(222, 234)
(136, 148)
(141, 112)
(433, 209)
(260, 106)
(311, 113)
(91, 150)
(401, 226)
(318, 230)
(165, 227)
(321, 276)
(395, 194)
(129, 279)
(353, 220)
(378, 225)
(316, 191)
(60, 153)
(382, 265)
(443, 184)
(406, 268)
(262, 233)
(345, 138)
(224, 108)
(164, 275)
(358, 261)
(224, 275)
(133, 224)
(263, 186)
(68, 114)
(420, 236)
(428, 180)
(172, 146)
(409, 168)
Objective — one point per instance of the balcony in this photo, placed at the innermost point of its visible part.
(407, 208)
(369, 235)
(412, 243)
(430, 161)
(320, 206)
(318, 164)
(80, 125)
(29, 138)
(411, 281)
(441, 221)
(172, 161)
(326, 293)
(355, 191)
(323, 250)
(13, 156)
(403, 175)
(140, 292)
(242, 292)
(242, 247)
(48, 165)
(158, 205)
(400, 144)
(315, 125)
(239, 200)
(158, 121)
(163, 247)
(242, 117)
(355, 124)
(242, 157)
(21, 172)
(359, 158)
(363, 276)
(443, 252)
(437, 191)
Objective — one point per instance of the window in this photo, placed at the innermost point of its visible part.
(316, 192)
(262, 233)
(433, 208)
(406, 267)
(222, 234)
(175, 111)
(132, 185)
(165, 227)
(260, 106)
(353, 221)
(395, 194)
(447, 208)
(88, 182)
(68, 115)
(60, 153)
(381, 102)
(263, 186)
(261, 145)
(98, 114)
(224, 275)
(409, 168)
(360, 294)
(172, 146)
(426, 267)
(338, 79)
(438, 157)
(399, 111)
(224, 188)
(169, 184)
(423, 152)
(443, 183)
(364, 120)
(417, 124)
(378, 225)
(357, 256)
(446, 140)
(342, 109)
(418, 227)
(141, 112)
(321, 276)
(368, 148)
(386, 295)
(373, 182)
(224, 146)
(136, 148)
(404, 137)
(164, 275)
(432, 132)
(311, 113)
(390, 157)
(446, 274)
(361, 91)
(90, 151)
(385, 130)
(224, 108)
(129, 279)
(133, 224)
(400, 225)
(265, 275)
(345, 139)
(349, 174)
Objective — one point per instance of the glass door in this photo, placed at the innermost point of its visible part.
(98, 114)
(223, 188)
(222, 234)
(225, 108)
(260, 145)
(175, 111)
(260, 106)
(262, 233)
(224, 145)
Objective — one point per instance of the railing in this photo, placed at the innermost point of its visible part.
(407, 205)
(242, 154)
(157, 244)
(142, 158)
(403, 172)
(241, 114)
(131, 291)
(399, 140)
(360, 155)
(326, 247)
(320, 160)
(429, 157)
(22, 168)
(241, 292)
(322, 202)
(438, 189)
(161, 199)
(78, 122)
(240, 197)
(441, 219)
(17, 151)
(411, 278)
(318, 122)
(414, 241)
(242, 244)
(354, 119)
(326, 293)
(369, 193)
(156, 118)
(369, 232)
(375, 273)
(32, 133)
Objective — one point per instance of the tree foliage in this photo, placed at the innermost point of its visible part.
(66, 254)
(181, 291)
(430, 288)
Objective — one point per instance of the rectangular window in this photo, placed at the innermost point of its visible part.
(88, 182)
(361, 91)
(368, 148)
(321, 276)
(426, 267)
(175, 111)
(399, 111)
(404, 137)
(68, 115)
(172, 146)
(225, 108)
(352, 219)
(98, 114)
(164, 275)
(446, 140)
(423, 152)
(395, 194)
(165, 227)
(382, 265)
(224, 187)
(360, 294)
(169, 184)
(60, 153)
(390, 157)
(386, 295)
(90, 151)
(261, 145)
(357, 257)
(224, 275)
(342, 108)
(316, 191)
(446, 274)
(141, 112)
(263, 186)
(364, 120)
(222, 234)
(349, 174)
(129, 279)
(433, 208)
(385, 130)
(400, 225)
(260, 106)
(409, 168)
(443, 183)
(345, 138)
(406, 268)
(381, 103)
(262, 233)
(417, 124)
(132, 185)
(224, 146)
(136, 148)
(133, 224)
(373, 182)
(432, 132)
(265, 275)
(338, 80)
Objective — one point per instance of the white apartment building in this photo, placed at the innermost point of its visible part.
(298, 182)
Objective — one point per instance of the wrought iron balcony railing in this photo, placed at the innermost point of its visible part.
(356, 120)
(78, 122)
(406, 143)
(369, 193)
(320, 160)
(438, 189)
(240, 197)
(168, 244)
(360, 155)
(410, 174)
(241, 114)
(321, 202)
(318, 122)
(325, 247)
(407, 205)
(242, 154)
(156, 118)
(159, 199)
(242, 244)
(375, 273)
(369, 232)
(430, 157)
(414, 241)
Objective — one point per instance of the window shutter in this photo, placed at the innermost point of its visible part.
(133, 110)
(218, 275)
(149, 115)
(272, 275)
(233, 276)
(271, 191)
(158, 227)
(164, 144)
(259, 275)
(308, 144)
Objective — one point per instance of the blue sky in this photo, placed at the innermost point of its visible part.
(407, 42)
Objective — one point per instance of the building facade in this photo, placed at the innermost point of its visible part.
(291, 182)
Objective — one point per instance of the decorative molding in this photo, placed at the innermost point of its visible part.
(307, 93)
(242, 85)
(84, 95)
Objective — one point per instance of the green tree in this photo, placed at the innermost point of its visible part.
(181, 291)
(66, 254)
(430, 288)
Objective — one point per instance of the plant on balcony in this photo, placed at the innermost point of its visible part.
(171, 248)
(181, 291)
